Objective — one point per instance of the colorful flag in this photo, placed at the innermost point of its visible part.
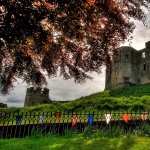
(90, 120)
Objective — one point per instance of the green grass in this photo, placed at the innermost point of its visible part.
(137, 91)
(76, 142)
(135, 98)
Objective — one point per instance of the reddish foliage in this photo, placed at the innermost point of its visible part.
(75, 36)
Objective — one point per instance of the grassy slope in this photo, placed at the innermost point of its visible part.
(76, 142)
(134, 98)
(131, 98)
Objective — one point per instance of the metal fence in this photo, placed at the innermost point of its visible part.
(43, 123)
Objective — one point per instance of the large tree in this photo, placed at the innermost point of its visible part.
(72, 36)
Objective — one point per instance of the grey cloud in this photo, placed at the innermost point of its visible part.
(140, 36)
(13, 99)
(68, 90)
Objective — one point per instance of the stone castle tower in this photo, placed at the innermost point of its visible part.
(36, 96)
(129, 67)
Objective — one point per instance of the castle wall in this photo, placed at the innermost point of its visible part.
(145, 65)
(2, 105)
(129, 67)
(122, 68)
(108, 76)
(36, 96)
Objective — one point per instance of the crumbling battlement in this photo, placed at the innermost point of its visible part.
(2, 105)
(36, 96)
(128, 67)
(38, 91)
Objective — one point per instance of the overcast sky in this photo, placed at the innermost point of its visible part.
(66, 89)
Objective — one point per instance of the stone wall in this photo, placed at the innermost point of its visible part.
(36, 96)
(129, 67)
(2, 105)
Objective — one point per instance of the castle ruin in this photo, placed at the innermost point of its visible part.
(2, 105)
(128, 67)
(37, 96)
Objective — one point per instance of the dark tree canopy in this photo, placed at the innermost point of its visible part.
(69, 36)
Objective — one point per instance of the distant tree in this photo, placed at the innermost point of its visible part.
(72, 36)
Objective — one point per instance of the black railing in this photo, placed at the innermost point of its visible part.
(31, 123)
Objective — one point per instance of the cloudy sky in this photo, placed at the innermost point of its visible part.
(67, 90)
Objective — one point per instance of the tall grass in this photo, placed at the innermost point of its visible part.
(76, 142)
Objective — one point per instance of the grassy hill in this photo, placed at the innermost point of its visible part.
(135, 98)
(137, 91)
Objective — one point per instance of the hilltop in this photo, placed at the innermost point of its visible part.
(135, 98)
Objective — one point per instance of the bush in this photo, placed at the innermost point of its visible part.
(146, 130)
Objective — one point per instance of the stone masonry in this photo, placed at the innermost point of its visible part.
(37, 96)
(128, 67)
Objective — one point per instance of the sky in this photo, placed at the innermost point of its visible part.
(68, 90)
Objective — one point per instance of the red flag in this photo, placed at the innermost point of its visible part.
(126, 118)
(74, 120)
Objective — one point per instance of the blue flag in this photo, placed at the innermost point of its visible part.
(90, 120)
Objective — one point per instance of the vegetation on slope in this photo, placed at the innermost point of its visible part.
(136, 98)
(137, 91)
